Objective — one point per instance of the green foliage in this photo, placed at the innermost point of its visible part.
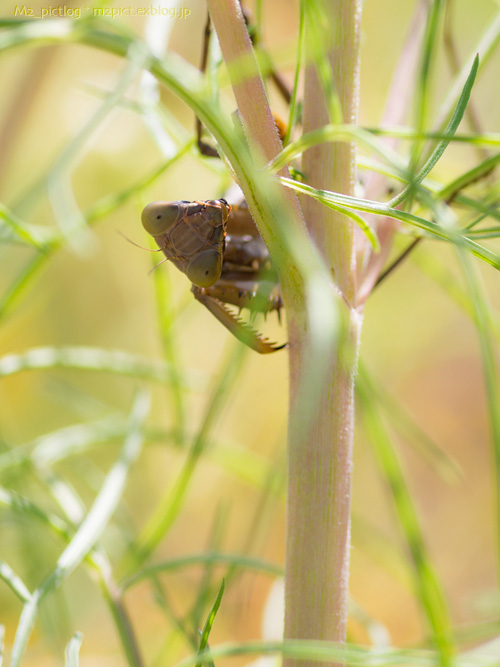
(72, 650)
(60, 491)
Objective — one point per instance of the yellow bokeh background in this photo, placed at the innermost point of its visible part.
(418, 344)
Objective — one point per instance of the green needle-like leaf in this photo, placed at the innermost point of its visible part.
(73, 650)
(449, 132)
(209, 622)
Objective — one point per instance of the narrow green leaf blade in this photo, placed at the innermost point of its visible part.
(213, 558)
(12, 580)
(209, 623)
(438, 231)
(110, 494)
(71, 654)
(91, 528)
(428, 586)
(91, 359)
(449, 132)
(483, 322)
(170, 506)
(19, 227)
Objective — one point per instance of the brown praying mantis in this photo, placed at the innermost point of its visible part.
(221, 252)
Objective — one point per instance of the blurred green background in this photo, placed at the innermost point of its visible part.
(418, 345)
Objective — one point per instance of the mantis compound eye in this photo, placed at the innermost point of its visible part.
(205, 269)
(158, 217)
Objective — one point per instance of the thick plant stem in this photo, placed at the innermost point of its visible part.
(331, 166)
(319, 491)
(320, 431)
(320, 455)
